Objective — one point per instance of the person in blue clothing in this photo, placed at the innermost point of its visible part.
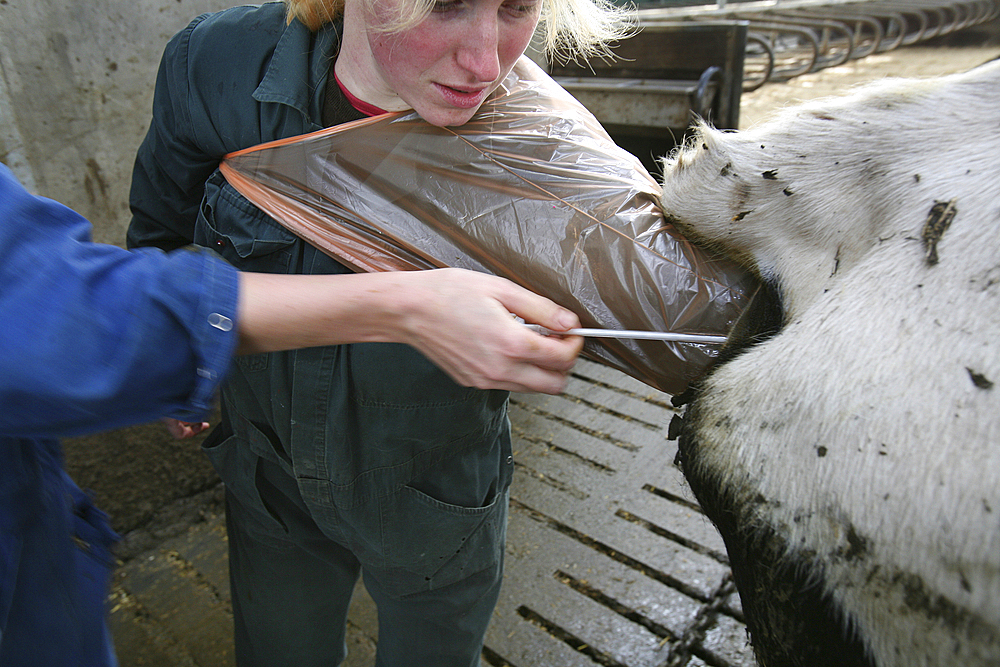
(96, 337)
(362, 459)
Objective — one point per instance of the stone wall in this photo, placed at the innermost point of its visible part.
(76, 84)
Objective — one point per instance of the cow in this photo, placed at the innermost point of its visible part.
(847, 442)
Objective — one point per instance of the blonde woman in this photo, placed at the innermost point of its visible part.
(387, 456)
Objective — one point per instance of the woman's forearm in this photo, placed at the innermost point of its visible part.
(461, 320)
(282, 312)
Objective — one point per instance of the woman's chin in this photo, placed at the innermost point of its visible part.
(447, 117)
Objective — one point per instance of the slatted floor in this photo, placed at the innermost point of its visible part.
(609, 560)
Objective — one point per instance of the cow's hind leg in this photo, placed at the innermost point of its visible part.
(791, 623)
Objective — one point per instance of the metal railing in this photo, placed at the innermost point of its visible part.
(788, 38)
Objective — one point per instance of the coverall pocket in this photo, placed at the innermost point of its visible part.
(430, 544)
(237, 465)
(241, 233)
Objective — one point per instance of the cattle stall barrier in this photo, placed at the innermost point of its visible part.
(793, 37)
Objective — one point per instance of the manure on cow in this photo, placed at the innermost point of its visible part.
(979, 380)
(938, 221)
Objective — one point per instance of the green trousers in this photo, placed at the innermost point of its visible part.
(292, 579)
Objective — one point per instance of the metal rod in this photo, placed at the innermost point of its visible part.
(640, 335)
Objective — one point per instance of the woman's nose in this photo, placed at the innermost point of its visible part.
(478, 51)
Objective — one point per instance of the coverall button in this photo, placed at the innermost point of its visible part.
(220, 322)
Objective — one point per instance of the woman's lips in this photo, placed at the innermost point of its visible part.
(462, 98)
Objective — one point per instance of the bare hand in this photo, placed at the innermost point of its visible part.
(184, 430)
(462, 321)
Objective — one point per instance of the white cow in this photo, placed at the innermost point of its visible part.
(852, 460)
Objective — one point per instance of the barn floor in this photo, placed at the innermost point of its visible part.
(608, 561)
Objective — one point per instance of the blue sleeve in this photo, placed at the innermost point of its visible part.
(96, 337)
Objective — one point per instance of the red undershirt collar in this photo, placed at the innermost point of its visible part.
(362, 106)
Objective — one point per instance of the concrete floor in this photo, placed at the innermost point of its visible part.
(609, 561)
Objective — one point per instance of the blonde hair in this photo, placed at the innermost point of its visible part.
(568, 29)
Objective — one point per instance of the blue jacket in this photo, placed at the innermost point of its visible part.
(94, 337)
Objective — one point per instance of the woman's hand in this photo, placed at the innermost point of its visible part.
(464, 322)
(184, 430)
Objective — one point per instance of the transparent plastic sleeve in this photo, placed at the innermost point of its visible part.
(531, 189)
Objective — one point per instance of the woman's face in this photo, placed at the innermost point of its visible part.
(445, 66)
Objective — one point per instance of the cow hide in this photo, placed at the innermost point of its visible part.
(851, 455)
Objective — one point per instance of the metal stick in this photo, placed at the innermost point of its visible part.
(641, 335)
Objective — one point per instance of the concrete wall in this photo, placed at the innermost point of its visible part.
(76, 84)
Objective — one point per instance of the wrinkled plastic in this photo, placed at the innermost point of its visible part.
(532, 189)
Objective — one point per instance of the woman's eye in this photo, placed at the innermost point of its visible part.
(446, 5)
(520, 8)
(512, 7)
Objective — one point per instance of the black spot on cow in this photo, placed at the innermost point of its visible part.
(770, 175)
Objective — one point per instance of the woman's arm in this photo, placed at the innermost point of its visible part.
(461, 320)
